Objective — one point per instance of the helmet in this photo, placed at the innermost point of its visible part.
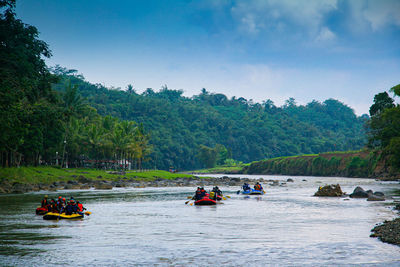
(64, 198)
(46, 196)
(59, 197)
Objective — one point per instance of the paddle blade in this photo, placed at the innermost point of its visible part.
(187, 202)
(87, 213)
(191, 204)
(189, 197)
(228, 196)
(224, 198)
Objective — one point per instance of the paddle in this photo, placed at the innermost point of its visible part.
(188, 197)
(87, 213)
(187, 202)
(238, 192)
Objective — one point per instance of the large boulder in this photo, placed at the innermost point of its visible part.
(359, 193)
(329, 191)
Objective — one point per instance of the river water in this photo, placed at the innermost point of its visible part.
(154, 227)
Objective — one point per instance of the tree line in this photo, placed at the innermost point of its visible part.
(187, 131)
(384, 126)
(43, 126)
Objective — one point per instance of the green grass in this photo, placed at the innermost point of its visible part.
(47, 175)
(222, 169)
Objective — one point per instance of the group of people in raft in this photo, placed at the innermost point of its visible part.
(257, 186)
(216, 193)
(62, 205)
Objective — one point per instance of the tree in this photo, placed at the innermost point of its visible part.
(382, 101)
(396, 90)
(207, 155)
(25, 91)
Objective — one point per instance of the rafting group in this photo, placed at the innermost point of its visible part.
(256, 190)
(61, 209)
(201, 197)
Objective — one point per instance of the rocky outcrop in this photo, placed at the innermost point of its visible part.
(329, 191)
(388, 232)
(359, 192)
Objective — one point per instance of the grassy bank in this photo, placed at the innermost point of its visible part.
(362, 163)
(48, 175)
(222, 169)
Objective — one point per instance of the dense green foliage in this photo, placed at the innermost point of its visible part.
(384, 126)
(352, 164)
(181, 127)
(30, 116)
(42, 126)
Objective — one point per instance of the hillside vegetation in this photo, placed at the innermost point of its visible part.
(342, 164)
(180, 126)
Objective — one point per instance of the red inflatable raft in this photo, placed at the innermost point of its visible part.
(205, 201)
(41, 210)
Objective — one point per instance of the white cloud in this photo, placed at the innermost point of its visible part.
(382, 13)
(269, 15)
(373, 14)
(325, 35)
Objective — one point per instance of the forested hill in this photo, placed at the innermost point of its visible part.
(179, 126)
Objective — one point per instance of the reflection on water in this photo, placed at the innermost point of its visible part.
(153, 226)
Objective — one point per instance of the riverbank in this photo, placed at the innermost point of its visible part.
(364, 163)
(28, 179)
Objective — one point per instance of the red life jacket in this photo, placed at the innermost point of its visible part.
(80, 207)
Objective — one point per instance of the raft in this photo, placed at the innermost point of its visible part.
(41, 210)
(253, 192)
(56, 216)
(205, 201)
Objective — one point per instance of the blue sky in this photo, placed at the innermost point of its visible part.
(270, 49)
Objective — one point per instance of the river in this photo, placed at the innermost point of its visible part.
(154, 227)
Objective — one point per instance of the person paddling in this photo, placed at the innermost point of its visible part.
(246, 187)
(258, 187)
(217, 193)
(71, 208)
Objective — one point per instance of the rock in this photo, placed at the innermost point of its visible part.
(290, 180)
(84, 186)
(18, 188)
(359, 193)
(274, 183)
(379, 194)
(329, 191)
(103, 186)
(83, 180)
(388, 232)
(375, 198)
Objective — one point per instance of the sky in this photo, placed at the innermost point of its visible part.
(348, 50)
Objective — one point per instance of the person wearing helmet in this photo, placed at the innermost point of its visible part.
(71, 207)
(60, 204)
(217, 193)
(45, 202)
(258, 186)
(80, 206)
(246, 187)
